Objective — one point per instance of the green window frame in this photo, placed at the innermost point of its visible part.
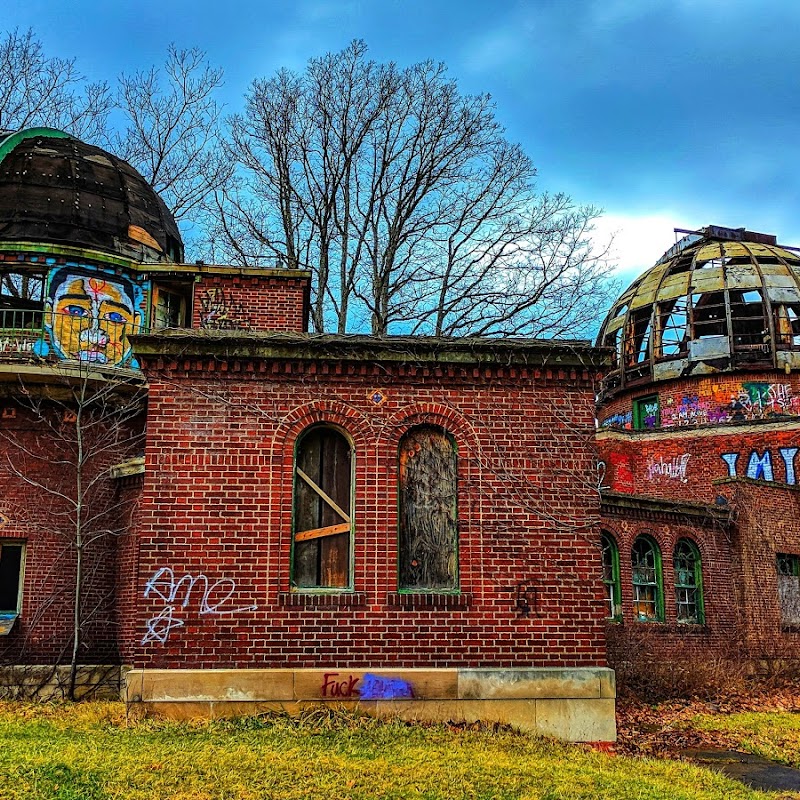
(428, 511)
(648, 581)
(322, 518)
(788, 567)
(611, 579)
(646, 413)
(689, 605)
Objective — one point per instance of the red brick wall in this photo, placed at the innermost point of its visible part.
(684, 464)
(629, 638)
(217, 503)
(767, 523)
(34, 513)
(246, 302)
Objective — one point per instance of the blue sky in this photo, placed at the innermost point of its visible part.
(665, 113)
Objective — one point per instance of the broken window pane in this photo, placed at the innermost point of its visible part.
(648, 601)
(747, 319)
(709, 315)
(322, 510)
(637, 337)
(610, 556)
(688, 583)
(428, 513)
(672, 324)
(787, 325)
(789, 588)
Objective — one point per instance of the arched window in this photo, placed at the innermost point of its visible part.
(428, 530)
(648, 587)
(323, 516)
(610, 556)
(688, 583)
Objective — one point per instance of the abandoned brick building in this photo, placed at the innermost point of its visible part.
(265, 518)
(285, 518)
(698, 437)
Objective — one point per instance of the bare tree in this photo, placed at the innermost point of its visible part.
(37, 89)
(171, 135)
(71, 433)
(406, 201)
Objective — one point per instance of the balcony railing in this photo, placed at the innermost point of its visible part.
(28, 333)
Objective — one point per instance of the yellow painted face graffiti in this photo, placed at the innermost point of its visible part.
(91, 317)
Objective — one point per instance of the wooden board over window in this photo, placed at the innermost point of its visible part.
(428, 515)
(322, 510)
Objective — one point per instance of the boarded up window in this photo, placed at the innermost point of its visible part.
(322, 510)
(428, 516)
(789, 588)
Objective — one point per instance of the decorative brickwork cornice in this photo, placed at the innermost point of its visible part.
(619, 504)
(185, 349)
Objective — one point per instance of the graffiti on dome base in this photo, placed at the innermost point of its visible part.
(89, 314)
(753, 400)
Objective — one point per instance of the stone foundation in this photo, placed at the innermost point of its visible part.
(42, 682)
(573, 704)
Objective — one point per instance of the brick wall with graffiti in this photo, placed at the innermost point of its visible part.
(246, 302)
(213, 581)
(38, 514)
(685, 466)
(721, 400)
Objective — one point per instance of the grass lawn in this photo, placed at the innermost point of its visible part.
(89, 752)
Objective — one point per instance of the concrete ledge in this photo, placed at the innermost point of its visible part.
(576, 704)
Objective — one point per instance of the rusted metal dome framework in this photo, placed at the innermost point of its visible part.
(721, 299)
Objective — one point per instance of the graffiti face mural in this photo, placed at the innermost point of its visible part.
(90, 313)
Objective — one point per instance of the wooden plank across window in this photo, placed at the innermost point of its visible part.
(319, 533)
(325, 497)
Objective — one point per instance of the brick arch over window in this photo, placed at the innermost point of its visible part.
(330, 413)
(436, 414)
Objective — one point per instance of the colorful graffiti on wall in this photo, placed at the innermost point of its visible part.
(624, 420)
(753, 401)
(750, 401)
(760, 466)
(89, 314)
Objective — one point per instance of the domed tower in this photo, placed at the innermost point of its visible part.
(698, 434)
(81, 233)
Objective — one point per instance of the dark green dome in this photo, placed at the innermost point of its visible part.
(59, 190)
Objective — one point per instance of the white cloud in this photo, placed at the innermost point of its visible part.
(639, 239)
